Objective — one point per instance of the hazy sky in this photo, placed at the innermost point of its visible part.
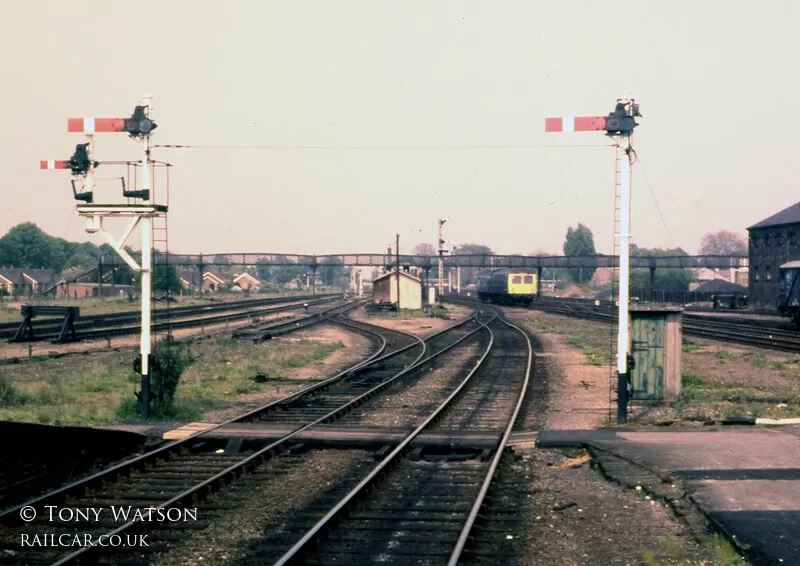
(414, 110)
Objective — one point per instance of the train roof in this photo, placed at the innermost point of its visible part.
(501, 270)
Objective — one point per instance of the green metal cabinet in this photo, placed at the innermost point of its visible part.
(656, 349)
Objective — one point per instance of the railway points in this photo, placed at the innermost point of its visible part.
(463, 437)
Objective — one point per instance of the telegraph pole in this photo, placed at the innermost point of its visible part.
(618, 125)
(139, 126)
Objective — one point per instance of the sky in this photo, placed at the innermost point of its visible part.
(329, 127)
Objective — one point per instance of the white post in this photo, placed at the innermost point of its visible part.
(458, 279)
(147, 281)
(624, 255)
(624, 281)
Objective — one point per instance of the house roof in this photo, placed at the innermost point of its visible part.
(18, 275)
(246, 275)
(720, 286)
(790, 215)
(403, 273)
(218, 277)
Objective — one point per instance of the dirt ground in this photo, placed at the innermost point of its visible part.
(583, 513)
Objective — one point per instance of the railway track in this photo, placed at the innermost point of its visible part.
(120, 324)
(751, 332)
(415, 506)
(176, 475)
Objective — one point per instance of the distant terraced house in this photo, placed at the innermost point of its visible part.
(25, 282)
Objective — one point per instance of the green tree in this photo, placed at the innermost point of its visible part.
(26, 245)
(332, 271)
(673, 279)
(580, 242)
(470, 274)
(166, 278)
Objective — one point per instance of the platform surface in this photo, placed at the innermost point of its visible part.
(746, 480)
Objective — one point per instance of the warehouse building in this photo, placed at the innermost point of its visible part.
(384, 290)
(773, 242)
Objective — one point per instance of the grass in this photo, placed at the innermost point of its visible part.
(99, 388)
(689, 346)
(720, 551)
(717, 383)
(593, 340)
(706, 399)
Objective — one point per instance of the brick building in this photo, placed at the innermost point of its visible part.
(773, 242)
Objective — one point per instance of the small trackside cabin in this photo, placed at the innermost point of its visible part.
(384, 290)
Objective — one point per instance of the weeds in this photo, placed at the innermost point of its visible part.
(668, 554)
(688, 346)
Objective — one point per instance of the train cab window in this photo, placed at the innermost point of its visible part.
(768, 274)
(529, 279)
(756, 277)
(516, 279)
(792, 238)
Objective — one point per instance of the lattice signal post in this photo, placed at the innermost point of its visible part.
(141, 211)
(618, 125)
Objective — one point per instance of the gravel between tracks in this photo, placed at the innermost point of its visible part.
(225, 541)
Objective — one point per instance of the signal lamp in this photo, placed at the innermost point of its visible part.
(80, 163)
(139, 124)
(619, 122)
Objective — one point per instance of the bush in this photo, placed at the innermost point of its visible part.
(169, 359)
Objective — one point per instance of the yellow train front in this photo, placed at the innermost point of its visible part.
(508, 286)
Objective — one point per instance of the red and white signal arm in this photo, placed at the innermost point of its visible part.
(573, 124)
(53, 164)
(93, 125)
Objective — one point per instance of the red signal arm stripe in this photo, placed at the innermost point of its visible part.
(92, 125)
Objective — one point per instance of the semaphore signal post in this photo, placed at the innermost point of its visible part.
(139, 208)
(618, 125)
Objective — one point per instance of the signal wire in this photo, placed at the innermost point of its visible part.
(652, 193)
(374, 147)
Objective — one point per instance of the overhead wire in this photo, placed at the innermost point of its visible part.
(652, 193)
(375, 147)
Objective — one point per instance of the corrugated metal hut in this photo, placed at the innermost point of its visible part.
(384, 290)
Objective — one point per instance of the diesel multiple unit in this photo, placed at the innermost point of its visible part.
(508, 286)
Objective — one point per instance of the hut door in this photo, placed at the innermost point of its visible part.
(648, 346)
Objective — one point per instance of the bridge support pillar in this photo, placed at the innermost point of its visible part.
(539, 282)
(652, 281)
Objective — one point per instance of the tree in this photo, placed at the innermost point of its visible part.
(166, 278)
(580, 242)
(723, 243)
(425, 249)
(672, 279)
(26, 245)
(469, 275)
(332, 271)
